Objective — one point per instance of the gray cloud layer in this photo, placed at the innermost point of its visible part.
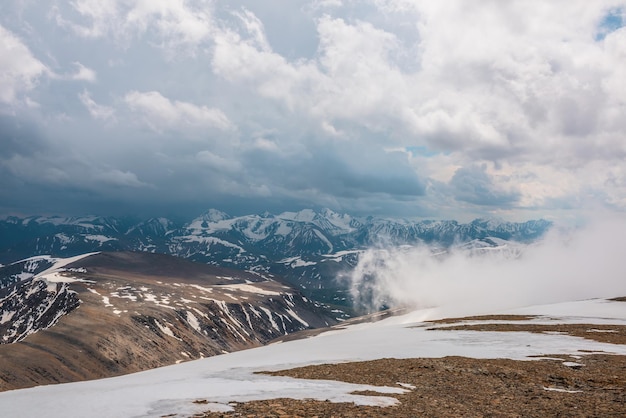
(409, 108)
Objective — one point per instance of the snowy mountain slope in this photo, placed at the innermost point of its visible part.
(304, 233)
(106, 314)
(320, 241)
(25, 269)
(36, 298)
(212, 383)
(31, 306)
(21, 238)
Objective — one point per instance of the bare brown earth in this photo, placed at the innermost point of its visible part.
(95, 342)
(134, 315)
(614, 334)
(589, 385)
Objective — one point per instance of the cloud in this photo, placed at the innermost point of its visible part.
(118, 178)
(101, 14)
(509, 108)
(568, 266)
(51, 170)
(350, 80)
(83, 73)
(254, 27)
(176, 22)
(19, 69)
(160, 113)
(219, 163)
(491, 95)
(250, 61)
(95, 110)
(473, 185)
(332, 172)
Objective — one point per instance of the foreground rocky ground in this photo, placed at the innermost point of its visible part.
(589, 385)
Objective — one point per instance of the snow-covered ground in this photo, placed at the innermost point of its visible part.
(226, 378)
(51, 273)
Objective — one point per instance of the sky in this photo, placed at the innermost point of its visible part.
(426, 109)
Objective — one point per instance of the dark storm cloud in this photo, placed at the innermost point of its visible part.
(338, 170)
(20, 136)
(474, 185)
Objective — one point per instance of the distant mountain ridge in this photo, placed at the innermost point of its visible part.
(308, 248)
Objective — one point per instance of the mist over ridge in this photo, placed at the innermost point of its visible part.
(567, 264)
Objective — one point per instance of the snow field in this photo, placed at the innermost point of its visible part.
(231, 377)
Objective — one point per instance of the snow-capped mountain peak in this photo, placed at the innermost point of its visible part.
(214, 215)
(305, 215)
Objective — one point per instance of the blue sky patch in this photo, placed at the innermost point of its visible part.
(611, 22)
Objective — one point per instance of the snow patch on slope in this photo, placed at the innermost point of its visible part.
(231, 377)
(248, 288)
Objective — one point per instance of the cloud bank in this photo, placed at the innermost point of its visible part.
(396, 107)
(566, 265)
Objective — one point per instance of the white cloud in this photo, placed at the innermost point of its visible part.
(362, 81)
(19, 69)
(323, 4)
(95, 110)
(83, 73)
(160, 113)
(508, 78)
(565, 266)
(176, 22)
(100, 13)
(242, 60)
(351, 79)
(255, 28)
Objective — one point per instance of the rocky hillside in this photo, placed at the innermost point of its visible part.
(107, 314)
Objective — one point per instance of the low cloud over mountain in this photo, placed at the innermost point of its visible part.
(563, 266)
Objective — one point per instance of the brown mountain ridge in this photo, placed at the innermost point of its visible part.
(128, 312)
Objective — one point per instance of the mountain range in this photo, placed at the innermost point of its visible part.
(310, 249)
(87, 298)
